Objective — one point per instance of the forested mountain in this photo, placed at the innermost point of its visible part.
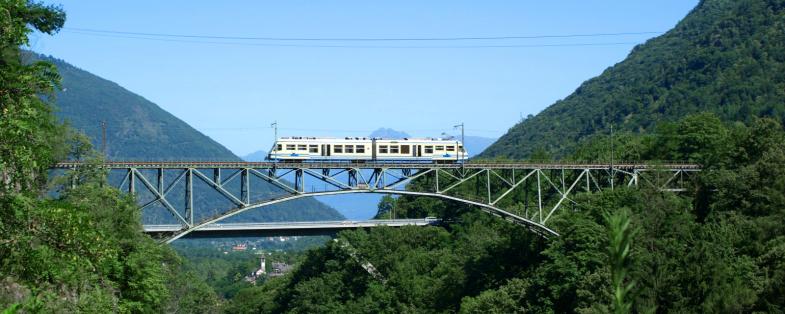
(718, 247)
(138, 129)
(726, 57)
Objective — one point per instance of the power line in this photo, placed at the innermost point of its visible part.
(468, 38)
(354, 46)
(266, 128)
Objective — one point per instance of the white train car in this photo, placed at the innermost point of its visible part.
(367, 149)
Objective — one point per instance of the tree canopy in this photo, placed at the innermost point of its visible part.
(81, 248)
(724, 57)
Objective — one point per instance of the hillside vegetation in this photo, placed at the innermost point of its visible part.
(708, 92)
(718, 248)
(81, 250)
(725, 57)
(137, 129)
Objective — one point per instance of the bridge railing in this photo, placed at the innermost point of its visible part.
(573, 164)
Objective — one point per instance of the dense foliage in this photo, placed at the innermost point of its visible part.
(717, 248)
(80, 249)
(225, 270)
(26, 124)
(725, 57)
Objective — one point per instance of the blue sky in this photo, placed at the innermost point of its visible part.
(232, 89)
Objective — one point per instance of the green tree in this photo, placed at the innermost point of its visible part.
(28, 130)
(386, 208)
(81, 249)
(620, 235)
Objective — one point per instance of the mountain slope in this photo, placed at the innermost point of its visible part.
(137, 129)
(727, 57)
(140, 130)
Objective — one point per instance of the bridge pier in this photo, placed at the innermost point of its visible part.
(131, 181)
(189, 197)
(245, 183)
(217, 176)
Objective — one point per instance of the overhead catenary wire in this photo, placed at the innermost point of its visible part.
(336, 42)
(466, 38)
(352, 131)
(367, 132)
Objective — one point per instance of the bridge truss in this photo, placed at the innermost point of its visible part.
(525, 193)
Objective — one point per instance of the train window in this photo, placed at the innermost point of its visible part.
(280, 147)
(428, 149)
(460, 148)
(313, 148)
(302, 147)
(360, 149)
(439, 148)
(382, 149)
(349, 149)
(405, 149)
(450, 148)
(394, 149)
(338, 149)
(290, 147)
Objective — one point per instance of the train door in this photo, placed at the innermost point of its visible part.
(325, 151)
(419, 150)
(373, 149)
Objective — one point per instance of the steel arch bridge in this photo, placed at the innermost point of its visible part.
(528, 194)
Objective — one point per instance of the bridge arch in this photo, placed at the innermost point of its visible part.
(532, 225)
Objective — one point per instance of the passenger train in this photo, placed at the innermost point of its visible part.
(361, 149)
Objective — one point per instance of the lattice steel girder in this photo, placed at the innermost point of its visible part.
(390, 165)
(499, 182)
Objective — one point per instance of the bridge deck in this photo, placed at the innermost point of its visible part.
(286, 228)
(393, 165)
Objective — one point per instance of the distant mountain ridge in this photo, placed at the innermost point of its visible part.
(259, 155)
(388, 133)
(726, 57)
(138, 129)
(475, 145)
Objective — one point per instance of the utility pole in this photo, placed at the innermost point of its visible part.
(274, 125)
(462, 142)
(103, 137)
